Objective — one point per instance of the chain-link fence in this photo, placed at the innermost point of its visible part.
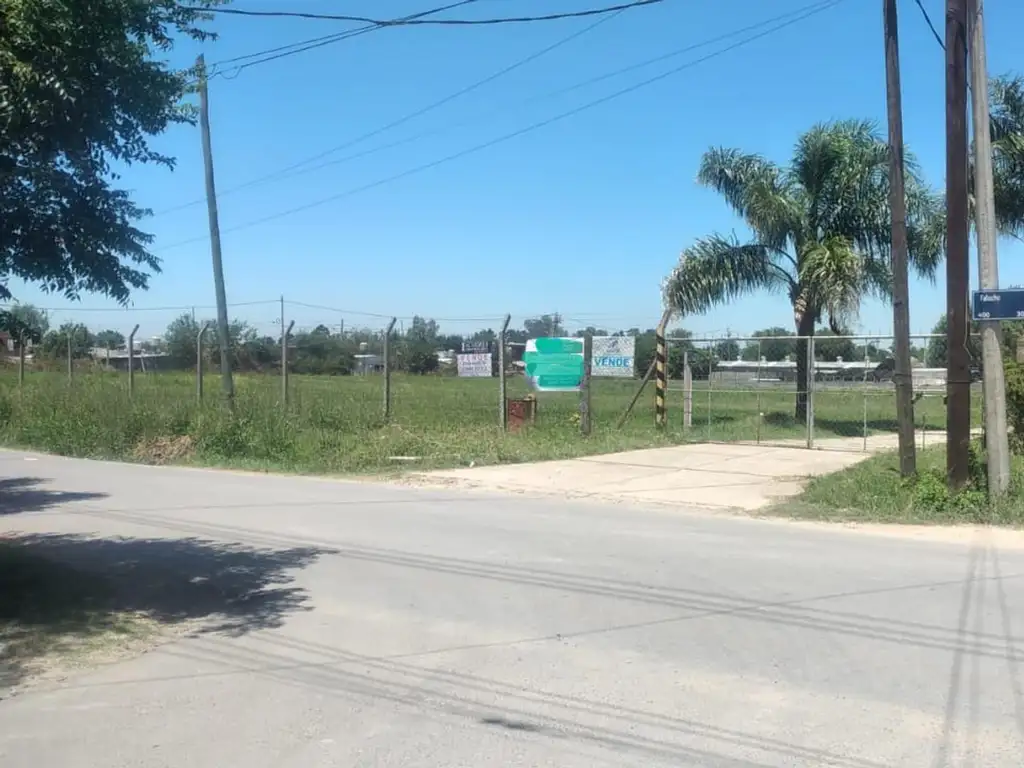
(340, 376)
(827, 391)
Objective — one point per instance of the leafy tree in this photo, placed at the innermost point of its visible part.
(110, 339)
(180, 341)
(84, 86)
(829, 347)
(24, 321)
(727, 349)
(937, 354)
(820, 231)
(55, 343)
(772, 347)
(417, 357)
(545, 325)
(318, 352)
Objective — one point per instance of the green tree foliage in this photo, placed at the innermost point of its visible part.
(54, 345)
(774, 345)
(936, 356)
(1015, 404)
(321, 353)
(1007, 123)
(110, 339)
(83, 88)
(820, 231)
(545, 325)
(830, 347)
(24, 321)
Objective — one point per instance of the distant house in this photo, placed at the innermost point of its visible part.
(368, 363)
(117, 359)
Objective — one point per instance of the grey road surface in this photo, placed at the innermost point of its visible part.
(361, 625)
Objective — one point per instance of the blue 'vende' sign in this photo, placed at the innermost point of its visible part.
(998, 305)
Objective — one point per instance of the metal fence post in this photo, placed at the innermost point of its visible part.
(131, 361)
(199, 361)
(760, 410)
(502, 380)
(285, 333)
(864, 390)
(710, 388)
(21, 361)
(687, 391)
(810, 392)
(71, 365)
(387, 368)
(585, 400)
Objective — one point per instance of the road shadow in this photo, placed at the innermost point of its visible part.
(29, 494)
(62, 594)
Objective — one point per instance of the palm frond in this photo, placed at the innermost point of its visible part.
(833, 278)
(1007, 127)
(717, 269)
(756, 189)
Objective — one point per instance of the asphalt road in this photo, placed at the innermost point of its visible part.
(359, 625)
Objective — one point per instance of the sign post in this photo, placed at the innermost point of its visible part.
(555, 364)
(998, 304)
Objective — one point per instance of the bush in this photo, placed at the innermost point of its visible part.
(1015, 405)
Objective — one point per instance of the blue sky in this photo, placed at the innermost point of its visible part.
(584, 216)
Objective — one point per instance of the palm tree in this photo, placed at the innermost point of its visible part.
(1006, 112)
(820, 227)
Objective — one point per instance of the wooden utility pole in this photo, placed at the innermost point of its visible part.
(898, 212)
(996, 438)
(227, 383)
(958, 365)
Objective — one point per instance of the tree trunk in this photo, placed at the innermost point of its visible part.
(804, 330)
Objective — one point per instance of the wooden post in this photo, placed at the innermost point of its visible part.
(285, 333)
(199, 361)
(227, 382)
(898, 219)
(660, 374)
(958, 366)
(71, 364)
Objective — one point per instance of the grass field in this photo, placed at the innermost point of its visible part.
(335, 424)
(873, 491)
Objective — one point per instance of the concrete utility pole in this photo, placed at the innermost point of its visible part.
(898, 210)
(996, 439)
(958, 364)
(227, 383)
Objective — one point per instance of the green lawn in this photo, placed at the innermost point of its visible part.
(335, 424)
(873, 491)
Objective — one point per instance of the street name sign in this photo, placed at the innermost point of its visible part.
(554, 364)
(998, 305)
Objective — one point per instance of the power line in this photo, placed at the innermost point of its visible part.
(281, 173)
(297, 169)
(282, 51)
(444, 22)
(185, 308)
(928, 20)
(520, 132)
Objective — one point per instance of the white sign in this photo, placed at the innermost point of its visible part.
(613, 356)
(475, 365)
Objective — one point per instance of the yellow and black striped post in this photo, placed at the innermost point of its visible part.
(660, 376)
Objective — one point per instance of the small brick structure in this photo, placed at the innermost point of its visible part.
(520, 412)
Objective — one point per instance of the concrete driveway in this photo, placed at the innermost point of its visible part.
(742, 476)
(343, 624)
